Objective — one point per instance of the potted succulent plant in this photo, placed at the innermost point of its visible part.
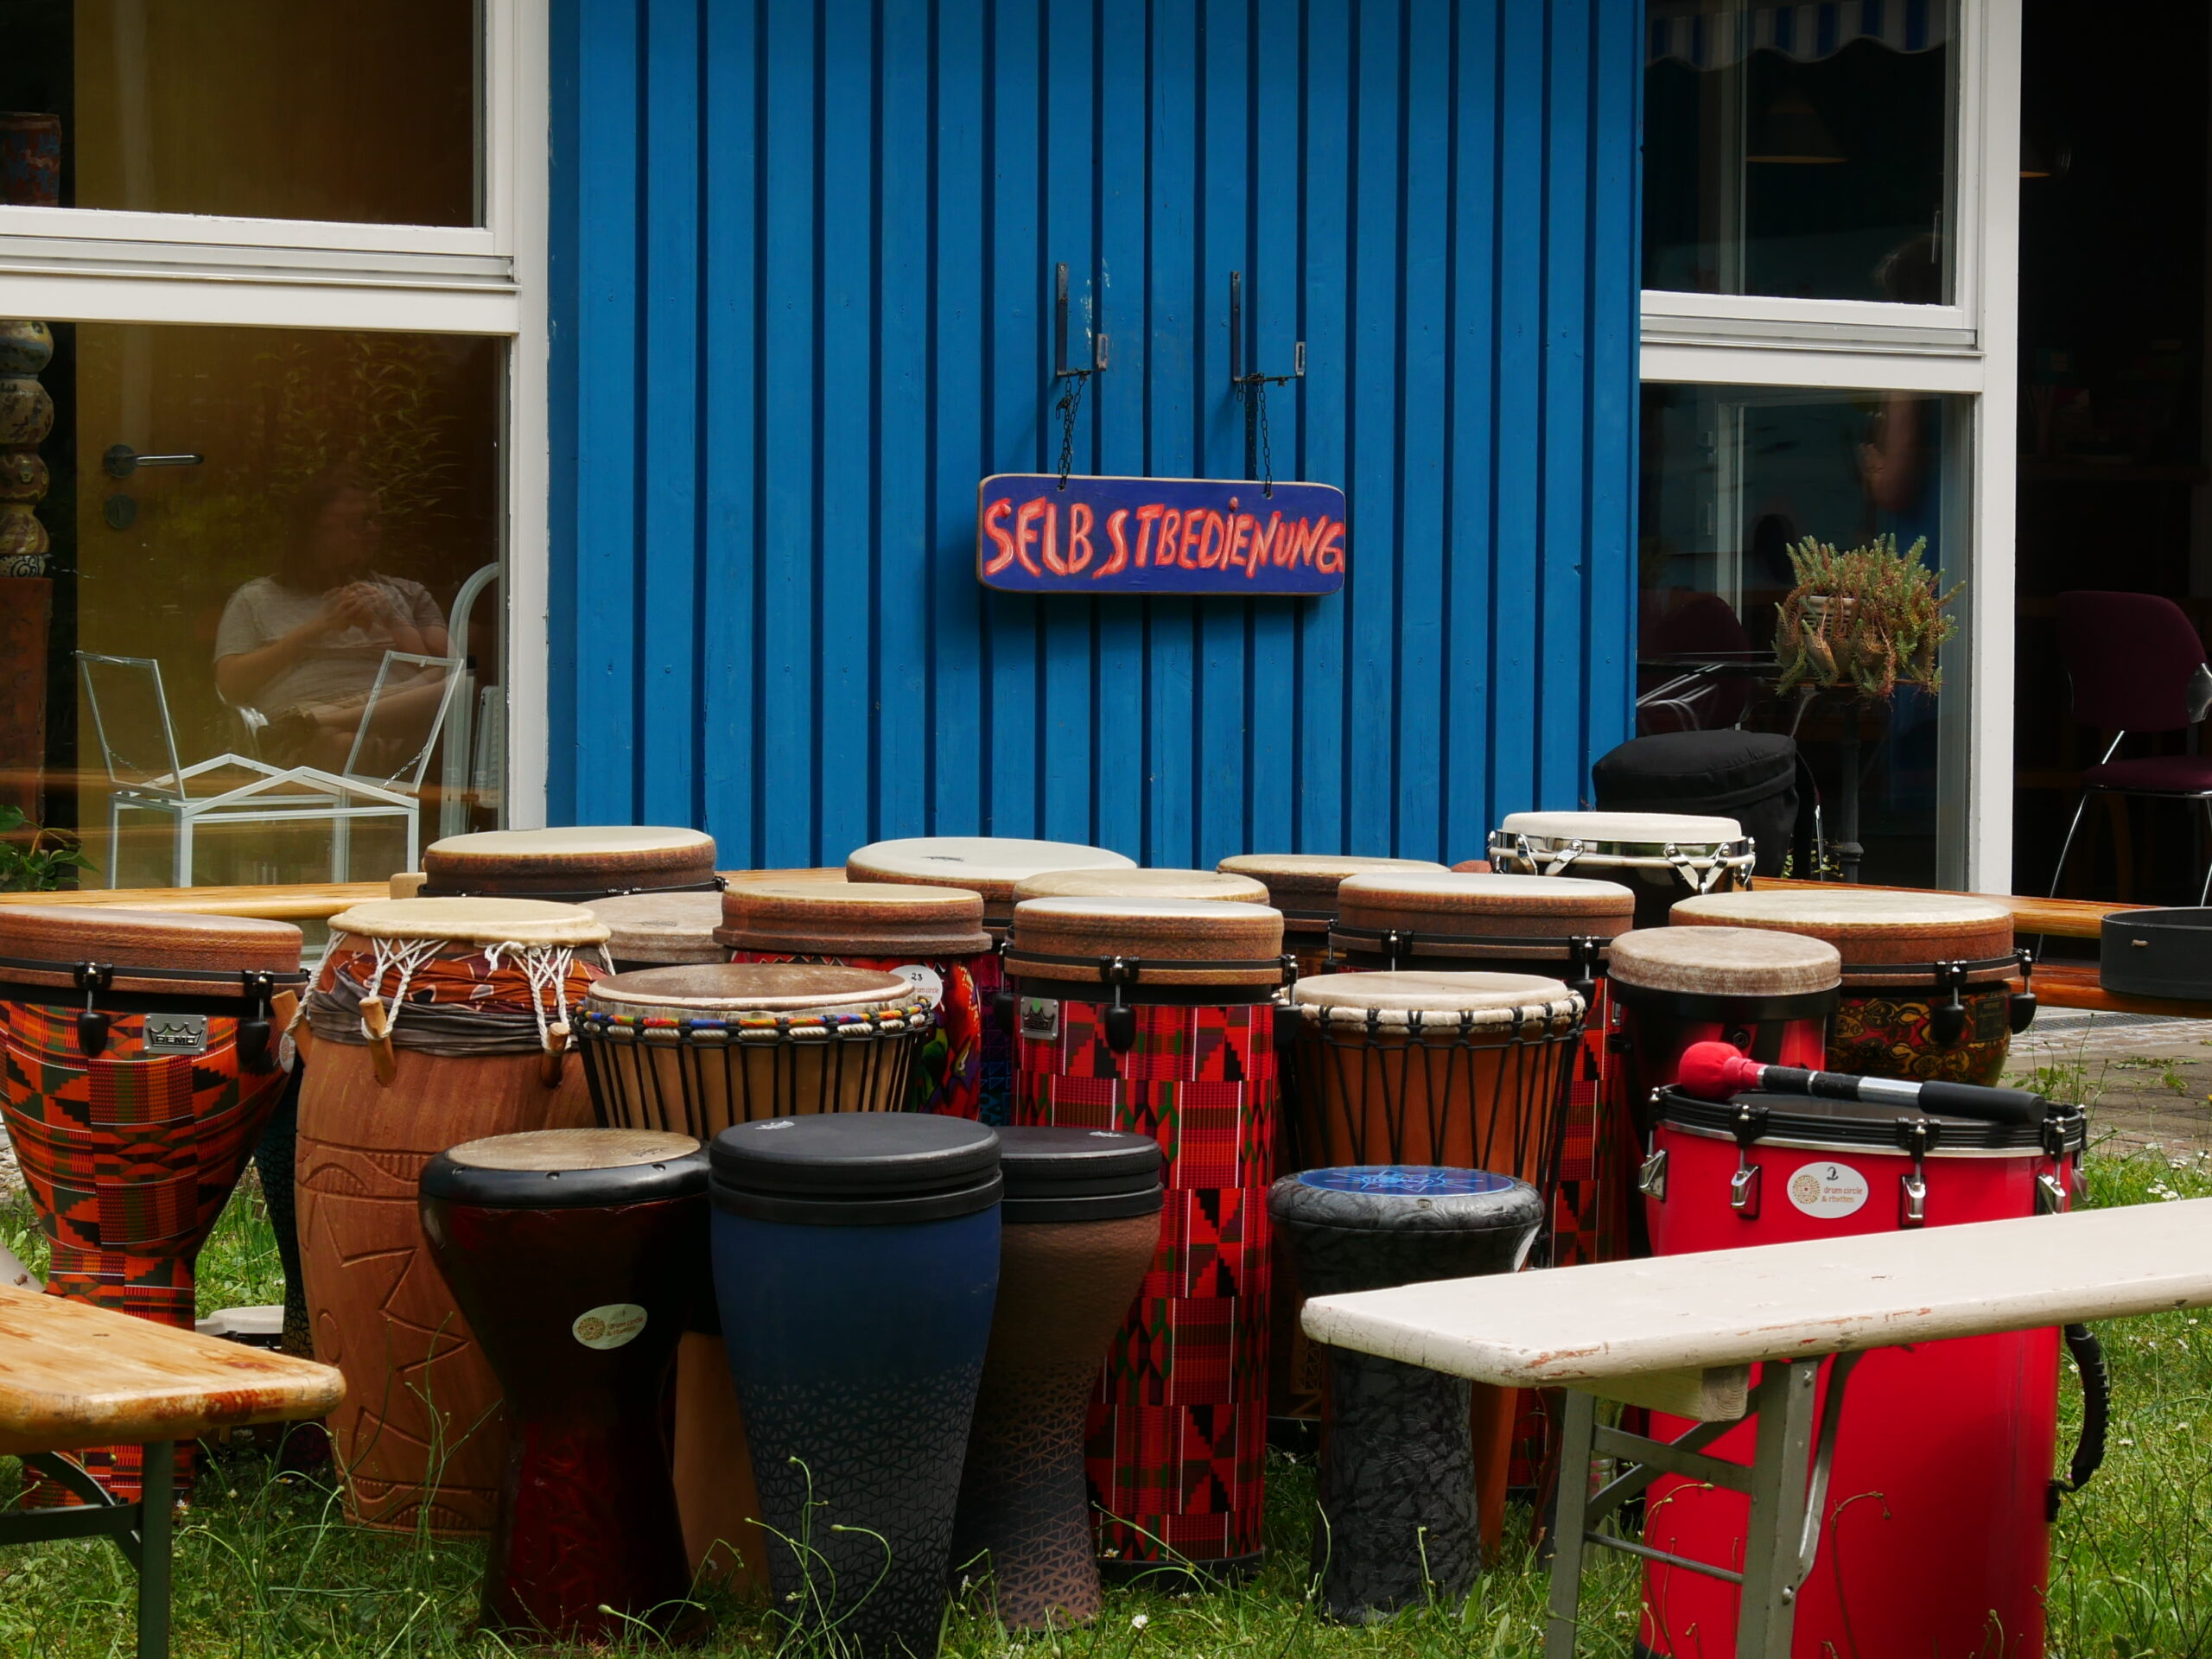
(1865, 620)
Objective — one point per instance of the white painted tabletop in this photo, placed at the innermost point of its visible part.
(1570, 1327)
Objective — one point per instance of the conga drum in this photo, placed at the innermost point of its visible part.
(576, 1255)
(1659, 856)
(857, 1261)
(933, 936)
(694, 1050)
(572, 865)
(142, 1062)
(1157, 1017)
(1397, 1527)
(660, 930)
(1927, 977)
(469, 994)
(987, 866)
(1303, 886)
(1934, 1535)
(1079, 1225)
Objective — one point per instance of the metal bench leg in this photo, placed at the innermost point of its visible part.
(155, 1508)
(1568, 1525)
(1786, 1399)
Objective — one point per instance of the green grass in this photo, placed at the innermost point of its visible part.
(266, 1565)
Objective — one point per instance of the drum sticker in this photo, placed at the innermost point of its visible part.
(925, 980)
(1827, 1192)
(1040, 1018)
(176, 1034)
(610, 1326)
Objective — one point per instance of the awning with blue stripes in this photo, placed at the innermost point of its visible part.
(1714, 33)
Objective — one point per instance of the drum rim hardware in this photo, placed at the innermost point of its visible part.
(257, 990)
(1878, 1129)
(1704, 865)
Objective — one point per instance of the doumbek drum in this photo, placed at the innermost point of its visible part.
(1661, 857)
(469, 995)
(1157, 1017)
(1927, 977)
(142, 1063)
(576, 1255)
(571, 865)
(1935, 1533)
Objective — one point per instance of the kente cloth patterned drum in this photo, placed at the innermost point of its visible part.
(660, 930)
(1157, 1017)
(1660, 856)
(472, 991)
(1303, 886)
(573, 865)
(933, 936)
(1927, 977)
(142, 1063)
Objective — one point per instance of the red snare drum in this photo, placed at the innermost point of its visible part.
(1934, 1538)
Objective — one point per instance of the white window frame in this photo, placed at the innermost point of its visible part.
(1969, 348)
(67, 264)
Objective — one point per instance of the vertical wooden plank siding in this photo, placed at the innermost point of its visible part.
(802, 279)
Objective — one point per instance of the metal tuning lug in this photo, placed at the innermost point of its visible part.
(92, 1023)
(1947, 1021)
(1651, 1178)
(1121, 1018)
(1743, 1190)
(1912, 1199)
(2022, 1010)
(2050, 1195)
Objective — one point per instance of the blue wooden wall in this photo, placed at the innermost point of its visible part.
(802, 259)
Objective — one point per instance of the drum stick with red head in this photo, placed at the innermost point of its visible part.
(1716, 1070)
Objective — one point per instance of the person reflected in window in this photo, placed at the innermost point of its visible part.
(304, 645)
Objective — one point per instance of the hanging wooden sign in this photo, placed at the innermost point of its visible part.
(1037, 533)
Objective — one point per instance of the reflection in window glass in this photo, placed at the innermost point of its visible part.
(1731, 477)
(268, 108)
(1798, 150)
(265, 571)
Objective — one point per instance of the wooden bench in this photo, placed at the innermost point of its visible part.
(73, 1376)
(1680, 1333)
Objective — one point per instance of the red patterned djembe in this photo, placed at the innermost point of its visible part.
(142, 1063)
(1158, 1017)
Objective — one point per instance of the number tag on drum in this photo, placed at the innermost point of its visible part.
(1827, 1192)
(610, 1326)
(923, 980)
(1040, 1018)
(176, 1034)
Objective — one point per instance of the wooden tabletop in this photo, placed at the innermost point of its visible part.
(304, 902)
(73, 1374)
(2062, 918)
(1677, 1331)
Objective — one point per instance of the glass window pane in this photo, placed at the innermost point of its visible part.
(1732, 478)
(1799, 152)
(269, 109)
(249, 560)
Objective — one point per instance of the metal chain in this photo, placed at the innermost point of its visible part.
(1070, 401)
(1255, 393)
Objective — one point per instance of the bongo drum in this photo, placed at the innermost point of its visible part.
(575, 1256)
(1141, 883)
(660, 930)
(856, 1262)
(1659, 856)
(1157, 1017)
(574, 865)
(1927, 976)
(1078, 1226)
(142, 1062)
(469, 995)
(933, 936)
(1397, 1526)
(1957, 1437)
(1303, 886)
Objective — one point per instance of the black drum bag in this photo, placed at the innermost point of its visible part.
(1755, 777)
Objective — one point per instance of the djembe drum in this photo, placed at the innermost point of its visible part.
(1303, 886)
(987, 866)
(1661, 857)
(1927, 977)
(933, 936)
(1398, 1507)
(695, 1050)
(142, 1060)
(1158, 1017)
(573, 865)
(1141, 883)
(660, 930)
(435, 1021)
(857, 1261)
(576, 1255)
(1079, 1224)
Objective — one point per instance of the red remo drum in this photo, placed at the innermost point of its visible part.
(1934, 1537)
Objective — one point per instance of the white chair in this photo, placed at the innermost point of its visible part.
(468, 778)
(137, 740)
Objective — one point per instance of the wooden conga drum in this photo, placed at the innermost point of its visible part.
(575, 864)
(933, 936)
(577, 1255)
(1928, 978)
(1158, 1017)
(660, 930)
(1303, 886)
(1661, 857)
(471, 994)
(142, 1060)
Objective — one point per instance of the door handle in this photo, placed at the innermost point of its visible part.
(121, 461)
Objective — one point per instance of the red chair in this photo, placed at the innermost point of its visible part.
(2137, 665)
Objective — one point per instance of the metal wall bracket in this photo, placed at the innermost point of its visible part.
(1060, 369)
(1237, 376)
